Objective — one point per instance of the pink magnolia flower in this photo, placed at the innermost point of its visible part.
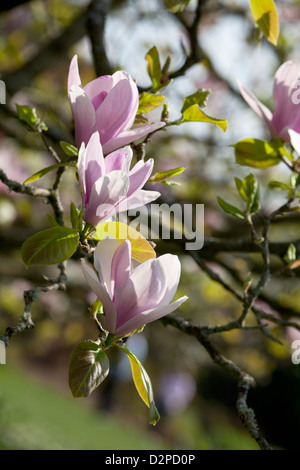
(287, 110)
(132, 297)
(108, 105)
(108, 185)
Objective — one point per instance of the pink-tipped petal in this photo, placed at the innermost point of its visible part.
(73, 76)
(105, 195)
(102, 294)
(83, 114)
(259, 108)
(118, 110)
(287, 113)
(97, 86)
(139, 199)
(118, 160)
(147, 317)
(94, 163)
(121, 265)
(126, 137)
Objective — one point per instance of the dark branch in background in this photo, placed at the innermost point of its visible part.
(48, 56)
(96, 17)
(7, 5)
(25, 320)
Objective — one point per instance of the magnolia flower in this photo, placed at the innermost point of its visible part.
(132, 297)
(108, 185)
(108, 105)
(287, 110)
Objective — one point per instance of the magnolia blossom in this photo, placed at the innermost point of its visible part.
(132, 297)
(287, 110)
(108, 105)
(108, 185)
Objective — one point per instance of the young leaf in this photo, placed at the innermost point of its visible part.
(148, 101)
(291, 254)
(266, 17)
(153, 67)
(50, 246)
(89, 366)
(52, 221)
(141, 250)
(249, 191)
(279, 185)
(29, 115)
(143, 385)
(76, 217)
(199, 98)
(69, 149)
(162, 176)
(44, 172)
(256, 153)
(176, 5)
(229, 209)
(194, 114)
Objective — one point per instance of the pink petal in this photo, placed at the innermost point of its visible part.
(126, 137)
(93, 164)
(73, 76)
(103, 256)
(139, 199)
(261, 110)
(97, 86)
(139, 175)
(83, 114)
(287, 113)
(144, 290)
(105, 195)
(118, 110)
(119, 160)
(102, 294)
(148, 316)
(121, 265)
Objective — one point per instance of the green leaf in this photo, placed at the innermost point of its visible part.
(162, 176)
(69, 149)
(249, 190)
(143, 385)
(153, 67)
(44, 172)
(176, 5)
(266, 17)
(229, 209)
(50, 246)
(291, 254)
(52, 221)
(27, 114)
(279, 185)
(76, 217)
(199, 98)
(89, 366)
(256, 153)
(194, 114)
(148, 101)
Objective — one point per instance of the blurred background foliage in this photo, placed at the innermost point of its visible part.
(195, 398)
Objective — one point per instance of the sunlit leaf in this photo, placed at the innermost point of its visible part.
(229, 209)
(141, 250)
(266, 17)
(148, 101)
(89, 366)
(195, 114)
(162, 176)
(199, 98)
(249, 191)
(143, 385)
(256, 153)
(50, 246)
(45, 171)
(69, 149)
